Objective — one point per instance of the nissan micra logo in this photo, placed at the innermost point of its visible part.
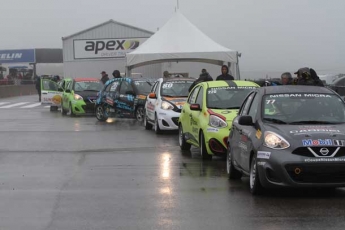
(324, 151)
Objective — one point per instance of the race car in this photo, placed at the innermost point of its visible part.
(123, 98)
(289, 136)
(163, 105)
(207, 116)
(79, 95)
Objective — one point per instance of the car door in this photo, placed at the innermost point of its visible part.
(49, 93)
(249, 133)
(150, 106)
(110, 95)
(125, 103)
(65, 95)
(186, 115)
(237, 140)
(195, 115)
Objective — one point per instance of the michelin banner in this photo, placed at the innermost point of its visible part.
(17, 56)
(105, 48)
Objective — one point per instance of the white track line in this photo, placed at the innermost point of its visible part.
(31, 106)
(3, 103)
(13, 105)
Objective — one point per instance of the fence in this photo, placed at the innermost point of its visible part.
(17, 90)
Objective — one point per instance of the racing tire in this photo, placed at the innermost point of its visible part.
(254, 180)
(182, 141)
(63, 112)
(203, 150)
(139, 113)
(53, 108)
(147, 125)
(100, 113)
(156, 126)
(233, 173)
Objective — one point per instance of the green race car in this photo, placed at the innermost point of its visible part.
(79, 95)
(207, 116)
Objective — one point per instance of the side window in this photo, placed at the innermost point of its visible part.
(49, 85)
(125, 86)
(200, 97)
(68, 85)
(192, 95)
(254, 107)
(153, 89)
(157, 89)
(62, 85)
(245, 107)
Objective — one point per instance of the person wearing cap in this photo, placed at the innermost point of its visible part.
(307, 76)
(286, 78)
(225, 76)
(104, 78)
(203, 77)
(117, 74)
(166, 74)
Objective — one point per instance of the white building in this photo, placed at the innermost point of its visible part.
(103, 48)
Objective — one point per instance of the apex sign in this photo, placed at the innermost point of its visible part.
(105, 48)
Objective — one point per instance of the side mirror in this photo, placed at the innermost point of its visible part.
(195, 107)
(68, 91)
(152, 96)
(130, 92)
(245, 120)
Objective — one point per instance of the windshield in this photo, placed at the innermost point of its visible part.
(143, 87)
(87, 86)
(227, 97)
(302, 108)
(176, 88)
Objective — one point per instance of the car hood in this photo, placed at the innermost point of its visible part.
(178, 101)
(301, 135)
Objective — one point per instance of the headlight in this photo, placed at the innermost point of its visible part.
(166, 105)
(217, 122)
(77, 97)
(274, 141)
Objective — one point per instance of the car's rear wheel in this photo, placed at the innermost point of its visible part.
(139, 113)
(53, 108)
(147, 125)
(254, 180)
(100, 115)
(182, 141)
(233, 173)
(156, 127)
(203, 150)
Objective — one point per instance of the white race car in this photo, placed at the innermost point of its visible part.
(164, 103)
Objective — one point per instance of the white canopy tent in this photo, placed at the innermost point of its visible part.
(181, 41)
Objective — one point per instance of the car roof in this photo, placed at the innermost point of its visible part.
(177, 79)
(85, 79)
(294, 89)
(235, 83)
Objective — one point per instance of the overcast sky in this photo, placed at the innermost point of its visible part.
(272, 35)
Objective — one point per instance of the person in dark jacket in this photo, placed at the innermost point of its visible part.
(307, 76)
(225, 76)
(286, 79)
(104, 78)
(203, 77)
(38, 87)
(117, 74)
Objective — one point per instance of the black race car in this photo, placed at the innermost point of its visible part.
(122, 97)
(289, 136)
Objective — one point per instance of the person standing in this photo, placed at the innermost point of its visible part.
(104, 78)
(117, 74)
(38, 87)
(225, 76)
(203, 77)
(286, 78)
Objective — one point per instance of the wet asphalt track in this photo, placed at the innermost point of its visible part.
(77, 173)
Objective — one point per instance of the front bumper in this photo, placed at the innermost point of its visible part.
(216, 140)
(82, 107)
(279, 168)
(168, 119)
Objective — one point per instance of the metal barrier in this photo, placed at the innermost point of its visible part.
(17, 90)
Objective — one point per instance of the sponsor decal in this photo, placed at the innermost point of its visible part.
(242, 146)
(318, 142)
(110, 101)
(258, 134)
(193, 122)
(301, 95)
(315, 131)
(310, 142)
(17, 56)
(143, 97)
(212, 130)
(226, 112)
(105, 48)
(262, 163)
(263, 155)
(214, 89)
(150, 106)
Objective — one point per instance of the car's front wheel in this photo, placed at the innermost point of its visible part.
(100, 115)
(203, 150)
(233, 173)
(147, 125)
(182, 141)
(139, 113)
(254, 180)
(156, 127)
(63, 111)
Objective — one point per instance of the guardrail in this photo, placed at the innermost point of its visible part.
(17, 90)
